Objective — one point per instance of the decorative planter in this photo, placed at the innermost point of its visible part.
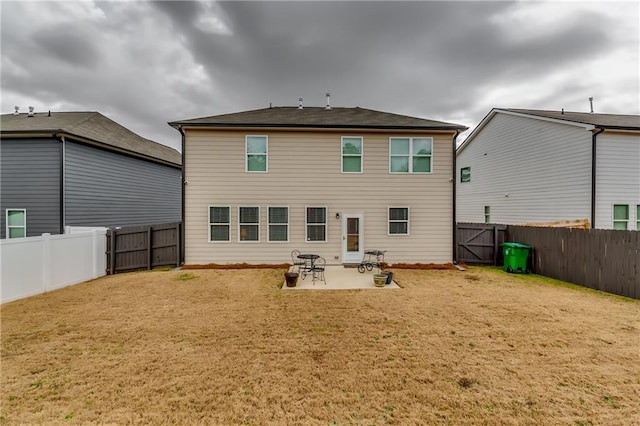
(380, 279)
(291, 278)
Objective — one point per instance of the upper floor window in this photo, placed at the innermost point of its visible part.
(410, 155)
(316, 223)
(278, 223)
(620, 216)
(16, 223)
(398, 221)
(249, 223)
(351, 154)
(256, 153)
(219, 223)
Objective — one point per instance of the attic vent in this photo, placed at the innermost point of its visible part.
(328, 101)
(30, 112)
(299, 103)
(17, 110)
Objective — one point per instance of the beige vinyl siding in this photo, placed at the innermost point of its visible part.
(305, 170)
(543, 167)
(618, 176)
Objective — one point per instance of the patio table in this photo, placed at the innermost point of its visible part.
(309, 263)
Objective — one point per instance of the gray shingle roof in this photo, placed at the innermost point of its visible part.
(609, 121)
(89, 125)
(318, 117)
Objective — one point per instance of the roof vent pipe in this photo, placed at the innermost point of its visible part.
(299, 103)
(591, 104)
(17, 110)
(30, 112)
(328, 101)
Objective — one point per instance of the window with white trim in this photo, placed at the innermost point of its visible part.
(638, 217)
(620, 216)
(487, 214)
(219, 223)
(16, 223)
(398, 220)
(248, 224)
(316, 223)
(256, 148)
(351, 154)
(278, 224)
(410, 155)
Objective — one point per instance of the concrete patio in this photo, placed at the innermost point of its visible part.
(341, 278)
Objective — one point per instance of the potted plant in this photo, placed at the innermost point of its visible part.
(291, 278)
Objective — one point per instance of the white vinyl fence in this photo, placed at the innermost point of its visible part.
(35, 265)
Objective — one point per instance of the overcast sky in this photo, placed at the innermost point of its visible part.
(143, 64)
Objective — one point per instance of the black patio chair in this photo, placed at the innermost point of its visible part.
(296, 262)
(317, 271)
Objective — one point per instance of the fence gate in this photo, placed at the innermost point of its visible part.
(143, 247)
(479, 243)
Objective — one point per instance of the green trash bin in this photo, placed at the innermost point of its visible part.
(516, 257)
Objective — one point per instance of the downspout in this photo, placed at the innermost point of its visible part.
(63, 174)
(184, 182)
(455, 233)
(593, 176)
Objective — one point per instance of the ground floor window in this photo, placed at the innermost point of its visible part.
(487, 214)
(638, 217)
(16, 223)
(620, 216)
(219, 223)
(316, 224)
(278, 224)
(249, 223)
(398, 221)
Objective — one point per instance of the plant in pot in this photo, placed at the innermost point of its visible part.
(380, 279)
(291, 278)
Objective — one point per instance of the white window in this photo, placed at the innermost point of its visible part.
(248, 223)
(351, 154)
(638, 217)
(16, 223)
(487, 214)
(398, 221)
(410, 155)
(256, 153)
(316, 223)
(620, 216)
(278, 224)
(219, 223)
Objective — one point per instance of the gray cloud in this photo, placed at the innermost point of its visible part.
(146, 63)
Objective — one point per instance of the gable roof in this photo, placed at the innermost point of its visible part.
(587, 120)
(318, 117)
(91, 127)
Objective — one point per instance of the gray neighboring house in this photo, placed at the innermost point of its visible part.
(63, 169)
(520, 166)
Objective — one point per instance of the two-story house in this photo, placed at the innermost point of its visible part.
(330, 181)
(61, 169)
(520, 166)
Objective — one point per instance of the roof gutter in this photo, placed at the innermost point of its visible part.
(594, 135)
(454, 228)
(182, 187)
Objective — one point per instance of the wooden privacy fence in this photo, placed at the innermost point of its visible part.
(600, 259)
(143, 247)
(480, 243)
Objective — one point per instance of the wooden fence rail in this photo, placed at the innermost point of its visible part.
(143, 247)
(600, 259)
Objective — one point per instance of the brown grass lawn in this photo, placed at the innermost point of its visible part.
(229, 347)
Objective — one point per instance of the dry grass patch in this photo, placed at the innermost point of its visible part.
(229, 347)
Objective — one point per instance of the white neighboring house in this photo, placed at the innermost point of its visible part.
(520, 166)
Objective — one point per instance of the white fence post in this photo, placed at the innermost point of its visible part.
(46, 261)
